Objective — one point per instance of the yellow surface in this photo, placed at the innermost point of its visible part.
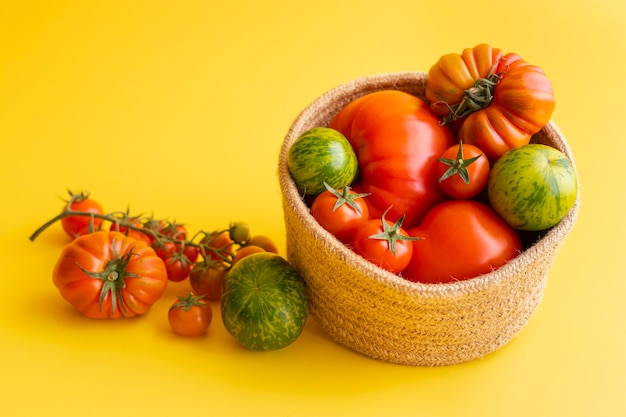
(179, 108)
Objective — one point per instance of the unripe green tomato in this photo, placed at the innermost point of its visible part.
(321, 155)
(532, 187)
(239, 232)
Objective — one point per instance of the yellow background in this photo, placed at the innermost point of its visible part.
(178, 109)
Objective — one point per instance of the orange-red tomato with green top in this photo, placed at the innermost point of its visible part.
(463, 171)
(340, 212)
(496, 101)
(190, 315)
(109, 275)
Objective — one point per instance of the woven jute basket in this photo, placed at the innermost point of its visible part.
(383, 316)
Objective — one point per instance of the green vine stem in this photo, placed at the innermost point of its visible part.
(158, 230)
(475, 98)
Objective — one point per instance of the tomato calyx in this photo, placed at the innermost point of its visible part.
(187, 302)
(458, 166)
(475, 98)
(392, 233)
(345, 197)
(114, 278)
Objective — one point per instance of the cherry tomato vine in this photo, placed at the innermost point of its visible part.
(167, 237)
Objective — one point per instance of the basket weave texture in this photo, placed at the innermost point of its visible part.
(383, 316)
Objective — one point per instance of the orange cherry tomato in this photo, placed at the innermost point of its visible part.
(190, 315)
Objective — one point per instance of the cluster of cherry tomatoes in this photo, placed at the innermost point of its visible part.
(121, 263)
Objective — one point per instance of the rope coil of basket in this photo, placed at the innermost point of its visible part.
(383, 316)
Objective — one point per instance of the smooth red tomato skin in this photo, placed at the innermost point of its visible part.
(178, 269)
(343, 221)
(190, 323)
(462, 239)
(378, 251)
(146, 281)
(478, 172)
(75, 226)
(397, 139)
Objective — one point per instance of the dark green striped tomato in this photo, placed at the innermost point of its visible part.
(264, 303)
(321, 155)
(532, 187)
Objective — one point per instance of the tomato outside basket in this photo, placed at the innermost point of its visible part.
(383, 316)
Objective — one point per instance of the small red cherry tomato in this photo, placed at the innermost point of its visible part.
(340, 212)
(190, 315)
(75, 226)
(384, 243)
(463, 171)
(207, 280)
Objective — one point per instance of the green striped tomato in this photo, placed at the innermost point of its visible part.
(321, 155)
(532, 187)
(264, 303)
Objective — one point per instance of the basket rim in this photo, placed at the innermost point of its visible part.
(397, 80)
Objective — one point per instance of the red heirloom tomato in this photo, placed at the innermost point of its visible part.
(500, 100)
(109, 275)
(397, 140)
(340, 212)
(384, 243)
(78, 225)
(461, 239)
(463, 171)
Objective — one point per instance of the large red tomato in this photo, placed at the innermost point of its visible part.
(496, 101)
(461, 239)
(110, 275)
(397, 140)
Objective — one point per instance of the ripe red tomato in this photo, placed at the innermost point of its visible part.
(463, 171)
(190, 316)
(461, 239)
(165, 248)
(397, 139)
(109, 275)
(207, 280)
(76, 226)
(384, 243)
(340, 212)
(178, 267)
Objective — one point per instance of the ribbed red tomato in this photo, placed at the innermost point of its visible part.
(496, 101)
(397, 140)
(110, 275)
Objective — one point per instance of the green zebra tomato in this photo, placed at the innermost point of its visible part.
(532, 187)
(264, 303)
(321, 155)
